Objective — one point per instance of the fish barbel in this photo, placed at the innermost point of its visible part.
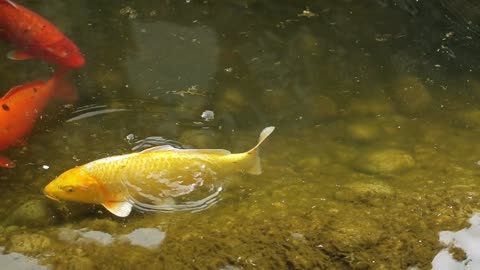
(122, 182)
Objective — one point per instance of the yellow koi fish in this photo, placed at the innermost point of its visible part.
(120, 182)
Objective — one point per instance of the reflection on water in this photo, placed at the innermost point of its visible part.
(93, 110)
(467, 240)
(17, 261)
(143, 237)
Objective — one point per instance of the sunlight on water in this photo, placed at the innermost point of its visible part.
(17, 261)
(144, 237)
(467, 240)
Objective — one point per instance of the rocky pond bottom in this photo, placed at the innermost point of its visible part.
(369, 225)
(354, 205)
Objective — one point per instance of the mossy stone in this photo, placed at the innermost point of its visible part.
(384, 161)
(411, 95)
(363, 131)
(369, 107)
(34, 212)
(371, 192)
(28, 243)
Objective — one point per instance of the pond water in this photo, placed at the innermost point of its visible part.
(375, 150)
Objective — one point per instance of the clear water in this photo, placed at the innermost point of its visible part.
(375, 151)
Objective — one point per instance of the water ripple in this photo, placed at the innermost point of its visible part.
(87, 112)
(191, 206)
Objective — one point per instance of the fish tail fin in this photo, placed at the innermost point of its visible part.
(256, 169)
(64, 89)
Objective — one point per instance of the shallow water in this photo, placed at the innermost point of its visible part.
(375, 104)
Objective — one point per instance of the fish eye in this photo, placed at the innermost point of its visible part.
(67, 188)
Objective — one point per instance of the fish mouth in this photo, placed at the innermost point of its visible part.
(51, 197)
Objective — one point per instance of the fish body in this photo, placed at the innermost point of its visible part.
(36, 37)
(22, 106)
(148, 177)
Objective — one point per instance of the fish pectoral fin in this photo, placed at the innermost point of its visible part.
(19, 55)
(163, 148)
(6, 162)
(120, 209)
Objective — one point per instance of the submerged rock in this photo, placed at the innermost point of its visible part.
(32, 213)
(411, 95)
(384, 161)
(373, 192)
(76, 263)
(343, 152)
(71, 210)
(372, 107)
(351, 233)
(28, 243)
(469, 118)
(364, 131)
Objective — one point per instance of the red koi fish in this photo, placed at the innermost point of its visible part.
(23, 105)
(36, 37)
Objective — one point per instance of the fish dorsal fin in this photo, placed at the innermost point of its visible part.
(20, 88)
(9, 3)
(119, 209)
(160, 148)
(220, 152)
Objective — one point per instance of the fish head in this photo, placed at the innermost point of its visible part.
(76, 185)
(75, 60)
(67, 54)
(64, 53)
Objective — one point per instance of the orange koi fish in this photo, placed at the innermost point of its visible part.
(23, 105)
(36, 37)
